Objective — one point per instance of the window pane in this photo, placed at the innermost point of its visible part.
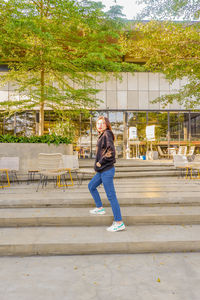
(116, 120)
(162, 127)
(195, 126)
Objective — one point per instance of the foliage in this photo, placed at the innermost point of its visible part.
(108, 66)
(48, 45)
(173, 9)
(47, 139)
(115, 12)
(173, 49)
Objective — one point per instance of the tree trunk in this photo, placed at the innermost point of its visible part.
(41, 119)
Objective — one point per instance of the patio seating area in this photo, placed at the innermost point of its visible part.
(62, 171)
(181, 150)
(51, 167)
(189, 168)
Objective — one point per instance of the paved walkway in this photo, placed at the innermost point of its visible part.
(105, 277)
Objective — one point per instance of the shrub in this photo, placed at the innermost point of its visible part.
(47, 139)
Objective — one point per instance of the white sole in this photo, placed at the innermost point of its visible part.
(99, 213)
(120, 229)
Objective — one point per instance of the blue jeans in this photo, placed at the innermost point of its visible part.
(106, 178)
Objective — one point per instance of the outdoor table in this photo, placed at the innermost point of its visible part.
(31, 175)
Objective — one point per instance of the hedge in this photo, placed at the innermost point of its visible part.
(47, 139)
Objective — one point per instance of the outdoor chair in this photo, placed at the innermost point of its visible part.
(181, 163)
(195, 165)
(12, 166)
(191, 155)
(4, 177)
(161, 154)
(51, 165)
(196, 158)
(191, 151)
(182, 150)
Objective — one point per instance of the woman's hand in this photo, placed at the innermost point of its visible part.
(98, 164)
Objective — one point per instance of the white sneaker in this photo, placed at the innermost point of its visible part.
(97, 211)
(116, 227)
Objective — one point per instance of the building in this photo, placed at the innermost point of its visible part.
(127, 103)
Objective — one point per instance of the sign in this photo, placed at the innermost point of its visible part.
(150, 132)
(132, 133)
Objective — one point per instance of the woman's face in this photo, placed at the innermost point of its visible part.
(101, 125)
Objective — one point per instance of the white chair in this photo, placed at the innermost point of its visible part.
(182, 150)
(51, 165)
(11, 164)
(181, 163)
(191, 151)
(161, 154)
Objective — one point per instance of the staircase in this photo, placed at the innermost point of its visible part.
(130, 168)
(161, 215)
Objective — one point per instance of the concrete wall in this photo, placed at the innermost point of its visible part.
(28, 152)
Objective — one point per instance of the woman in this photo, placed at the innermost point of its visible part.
(104, 166)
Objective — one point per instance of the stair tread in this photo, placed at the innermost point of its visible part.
(98, 235)
(34, 203)
(84, 212)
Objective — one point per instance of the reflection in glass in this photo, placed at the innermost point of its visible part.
(162, 127)
(116, 120)
(1, 123)
(25, 123)
(195, 126)
(8, 124)
(84, 140)
(83, 126)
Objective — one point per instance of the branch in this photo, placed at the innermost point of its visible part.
(35, 2)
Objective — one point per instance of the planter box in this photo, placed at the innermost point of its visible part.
(28, 153)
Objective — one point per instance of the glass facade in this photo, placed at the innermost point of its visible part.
(172, 129)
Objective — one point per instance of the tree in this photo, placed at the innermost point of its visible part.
(168, 10)
(48, 45)
(173, 49)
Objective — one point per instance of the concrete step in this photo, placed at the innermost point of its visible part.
(28, 241)
(136, 168)
(144, 168)
(130, 192)
(86, 163)
(151, 173)
(140, 201)
(81, 217)
(141, 174)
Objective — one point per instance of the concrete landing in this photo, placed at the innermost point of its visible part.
(167, 276)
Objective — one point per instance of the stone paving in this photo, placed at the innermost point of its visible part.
(105, 277)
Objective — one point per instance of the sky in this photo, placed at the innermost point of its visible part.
(130, 7)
